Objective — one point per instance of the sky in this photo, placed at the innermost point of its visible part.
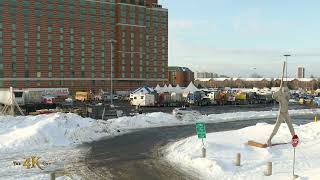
(241, 37)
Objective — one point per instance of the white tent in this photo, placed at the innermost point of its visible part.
(178, 89)
(191, 88)
(158, 88)
(170, 88)
(164, 88)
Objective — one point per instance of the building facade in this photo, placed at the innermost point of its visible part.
(206, 75)
(66, 43)
(181, 76)
(301, 72)
(292, 83)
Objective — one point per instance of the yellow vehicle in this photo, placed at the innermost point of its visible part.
(82, 96)
(241, 96)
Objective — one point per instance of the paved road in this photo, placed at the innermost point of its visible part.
(138, 156)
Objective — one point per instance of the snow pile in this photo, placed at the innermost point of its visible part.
(45, 131)
(222, 148)
(53, 137)
(160, 119)
(64, 130)
(238, 116)
(143, 121)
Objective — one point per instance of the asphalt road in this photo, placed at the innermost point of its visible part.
(138, 155)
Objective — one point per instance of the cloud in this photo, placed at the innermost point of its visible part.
(181, 24)
(190, 25)
(249, 23)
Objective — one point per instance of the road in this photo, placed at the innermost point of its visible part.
(138, 155)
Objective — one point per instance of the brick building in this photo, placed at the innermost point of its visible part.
(180, 75)
(66, 43)
(292, 83)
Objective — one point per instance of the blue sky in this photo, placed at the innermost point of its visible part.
(233, 37)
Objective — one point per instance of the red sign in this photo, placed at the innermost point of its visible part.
(295, 141)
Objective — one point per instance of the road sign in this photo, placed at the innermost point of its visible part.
(201, 130)
(295, 141)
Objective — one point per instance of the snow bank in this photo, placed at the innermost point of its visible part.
(64, 130)
(163, 119)
(222, 148)
(55, 136)
(239, 116)
(46, 131)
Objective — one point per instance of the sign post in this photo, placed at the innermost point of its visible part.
(201, 132)
(294, 142)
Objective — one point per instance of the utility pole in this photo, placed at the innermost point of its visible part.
(112, 41)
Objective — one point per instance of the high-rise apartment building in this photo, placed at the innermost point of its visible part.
(66, 43)
(301, 72)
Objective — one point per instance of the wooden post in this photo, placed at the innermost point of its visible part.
(204, 152)
(104, 110)
(52, 176)
(238, 160)
(269, 169)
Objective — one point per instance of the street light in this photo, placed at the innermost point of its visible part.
(254, 75)
(287, 55)
(111, 41)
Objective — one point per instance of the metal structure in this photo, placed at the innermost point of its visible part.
(112, 41)
(10, 106)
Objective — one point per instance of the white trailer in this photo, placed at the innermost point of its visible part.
(142, 99)
(32, 95)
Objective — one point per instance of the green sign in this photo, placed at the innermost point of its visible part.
(201, 130)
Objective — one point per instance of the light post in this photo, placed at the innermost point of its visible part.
(111, 41)
(287, 55)
(254, 76)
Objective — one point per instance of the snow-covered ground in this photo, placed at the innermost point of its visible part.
(222, 148)
(55, 137)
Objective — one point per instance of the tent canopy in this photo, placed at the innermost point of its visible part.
(143, 90)
(191, 88)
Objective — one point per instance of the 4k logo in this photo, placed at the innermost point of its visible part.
(32, 162)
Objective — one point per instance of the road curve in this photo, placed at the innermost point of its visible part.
(137, 155)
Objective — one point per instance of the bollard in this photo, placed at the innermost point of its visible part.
(238, 160)
(315, 118)
(52, 176)
(204, 152)
(269, 169)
